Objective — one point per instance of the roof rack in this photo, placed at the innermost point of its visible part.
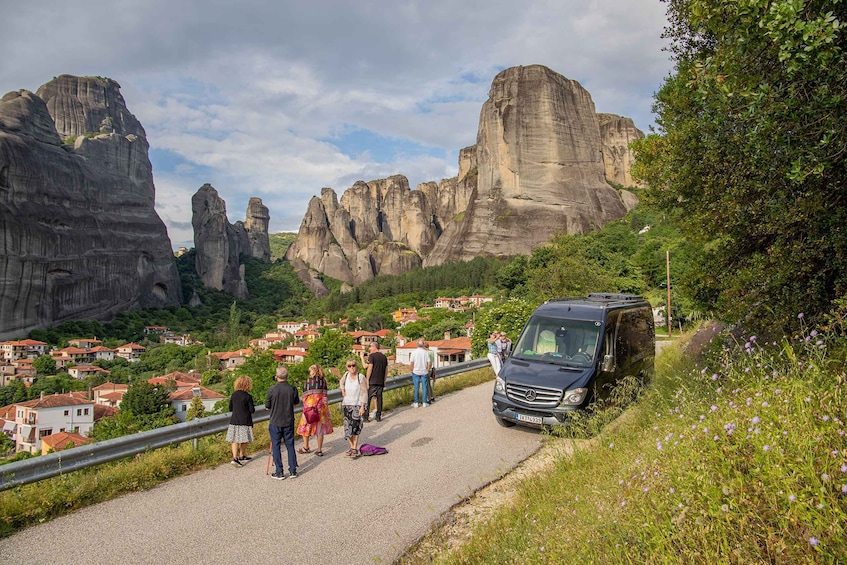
(615, 296)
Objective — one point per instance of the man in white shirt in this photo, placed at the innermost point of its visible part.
(420, 372)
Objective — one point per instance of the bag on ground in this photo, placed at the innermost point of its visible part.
(368, 449)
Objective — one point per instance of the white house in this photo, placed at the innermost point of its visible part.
(181, 399)
(291, 327)
(446, 352)
(131, 352)
(44, 416)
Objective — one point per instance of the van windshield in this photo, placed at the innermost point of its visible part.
(561, 342)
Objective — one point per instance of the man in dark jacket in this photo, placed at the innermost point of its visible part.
(280, 403)
(377, 366)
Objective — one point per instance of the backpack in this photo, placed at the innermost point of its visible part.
(312, 414)
(368, 449)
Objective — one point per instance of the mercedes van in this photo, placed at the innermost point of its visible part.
(571, 351)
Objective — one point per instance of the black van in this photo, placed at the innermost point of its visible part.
(571, 351)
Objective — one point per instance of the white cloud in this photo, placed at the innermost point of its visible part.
(259, 97)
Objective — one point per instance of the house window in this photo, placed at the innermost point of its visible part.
(61, 429)
(67, 412)
(184, 407)
(76, 429)
(85, 412)
(45, 432)
(79, 411)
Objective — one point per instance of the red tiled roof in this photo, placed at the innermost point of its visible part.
(111, 386)
(101, 349)
(185, 377)
(132, 346)
(58, 441)
(102, 411)
(188, 394)
(57, 400)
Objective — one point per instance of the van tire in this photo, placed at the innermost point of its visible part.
(504, 423)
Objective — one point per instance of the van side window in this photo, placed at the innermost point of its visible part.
(611, 334)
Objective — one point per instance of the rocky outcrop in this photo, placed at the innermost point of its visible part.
(538, 168)
(616, 133)
(219, 245)
(79, 236)
(378, 227)
(256, 224)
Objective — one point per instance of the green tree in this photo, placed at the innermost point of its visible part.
(331, 350)
(749, 156)
(196, 409)
(509, 317)
(149, 406)
(44, 365)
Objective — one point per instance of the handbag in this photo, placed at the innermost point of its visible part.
(312, 414)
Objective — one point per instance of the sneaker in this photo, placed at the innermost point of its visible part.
(278, 476)
(237, 463)
(245, 458)
(373, 414)
(414, 404)
(425, 404)
(292, 475)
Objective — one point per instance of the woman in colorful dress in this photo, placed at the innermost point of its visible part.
(314, 396)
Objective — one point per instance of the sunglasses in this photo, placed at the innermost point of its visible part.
(351, 366)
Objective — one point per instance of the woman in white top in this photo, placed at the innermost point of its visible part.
(354, 394)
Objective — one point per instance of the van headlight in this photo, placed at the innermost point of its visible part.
(573, 397)
(499, 385)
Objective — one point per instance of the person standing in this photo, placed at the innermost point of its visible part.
(280, 403)
(493, 353)
(354, 396)
(430, 398)
(505, 347)
(240, 430)
(377, 367)
(420, 373)
(314, 396)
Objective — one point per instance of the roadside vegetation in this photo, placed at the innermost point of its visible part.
(734, 456)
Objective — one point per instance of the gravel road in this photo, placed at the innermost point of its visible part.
(338, 510)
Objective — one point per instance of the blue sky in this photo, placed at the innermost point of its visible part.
(277, 99)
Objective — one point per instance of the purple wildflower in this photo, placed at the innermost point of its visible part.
(813, 541)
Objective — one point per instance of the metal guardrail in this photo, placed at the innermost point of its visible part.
(53, 464)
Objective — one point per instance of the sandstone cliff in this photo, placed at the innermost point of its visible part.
(80, 238)
(219, 245)
(539, 167)
(617, 133)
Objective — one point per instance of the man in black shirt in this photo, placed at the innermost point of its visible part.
(377, 366)
(280, 403)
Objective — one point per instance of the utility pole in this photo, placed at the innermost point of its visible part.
(668, 266)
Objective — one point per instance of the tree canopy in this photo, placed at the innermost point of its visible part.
(750, 153)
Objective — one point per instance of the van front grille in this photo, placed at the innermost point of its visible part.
(533, 395)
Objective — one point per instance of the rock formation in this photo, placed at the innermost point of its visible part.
(616, 133)
(219, 245)
(538, 168)
(80, 237)
(540, 165)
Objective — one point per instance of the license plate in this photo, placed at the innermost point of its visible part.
(528, 419)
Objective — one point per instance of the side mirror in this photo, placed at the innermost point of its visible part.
(608, 364)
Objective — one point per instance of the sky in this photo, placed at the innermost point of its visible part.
(277, 99)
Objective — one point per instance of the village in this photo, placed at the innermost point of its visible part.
(63, 420)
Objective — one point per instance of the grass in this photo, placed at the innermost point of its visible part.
(738, 460)
(38, 502)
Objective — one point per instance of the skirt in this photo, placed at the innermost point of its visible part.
(352, 421)
(239, 434)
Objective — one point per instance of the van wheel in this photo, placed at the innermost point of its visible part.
(504, 423)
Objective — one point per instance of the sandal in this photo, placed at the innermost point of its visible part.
(319, 453)
(304, 450)
(355, 454)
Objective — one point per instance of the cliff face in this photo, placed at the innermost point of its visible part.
(79, 237)
(539, 167)
(219, 244)
(616, 133)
